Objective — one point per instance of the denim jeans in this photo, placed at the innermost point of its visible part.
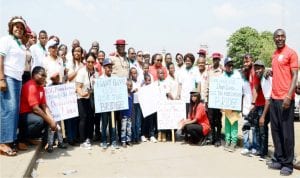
(72, 126)
(126, 129)
(52, 133)
(136, 123)
(262, 132)
(249, 143)
(9, 110)
(106, 120)
(31, 126)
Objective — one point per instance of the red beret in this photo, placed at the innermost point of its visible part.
(202, 51)
(216, 55)
(120, 42)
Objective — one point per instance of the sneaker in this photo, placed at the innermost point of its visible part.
(143, 139)
(103, 145)
(86, 145)
(124, 145)
(285, 171)
(50, 149)
(245, 152)
(153, 139)
(114, 145)
(62, 145)
(232, 148)
(262, 158)
(88, 141)
(129, 143)
(254, 152)
(226, 146)
(275, 165)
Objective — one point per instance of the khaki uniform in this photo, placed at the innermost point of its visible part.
(120, 67)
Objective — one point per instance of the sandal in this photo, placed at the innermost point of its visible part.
(8, 153)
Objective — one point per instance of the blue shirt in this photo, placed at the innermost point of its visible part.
(128, 112)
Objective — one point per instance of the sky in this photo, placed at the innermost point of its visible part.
(155, 25)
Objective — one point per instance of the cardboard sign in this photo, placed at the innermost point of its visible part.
(169, 114)
(225, 93)
(62, 101)
(110, 94)
(148, 97)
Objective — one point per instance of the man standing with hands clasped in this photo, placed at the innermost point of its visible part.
(285, 71)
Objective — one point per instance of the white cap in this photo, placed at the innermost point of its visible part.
(51, 43)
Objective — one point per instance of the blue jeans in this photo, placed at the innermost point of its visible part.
(106, 120)
(136, 123)
(72, 126)
(126, 129)
(9, 110)
(262, 132)
(31, 126)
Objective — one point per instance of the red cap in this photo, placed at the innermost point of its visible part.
(28, 30)
(120, 42)
(217, 55)
(202, 51)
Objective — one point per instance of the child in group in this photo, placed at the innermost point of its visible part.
(137, 119)
(126, 116)
(55, 81)
(164, 94)
(148, 122)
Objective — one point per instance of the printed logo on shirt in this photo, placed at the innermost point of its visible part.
(280, 57)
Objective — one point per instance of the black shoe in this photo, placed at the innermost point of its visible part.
(217, 144)
(50, 149)
(129, 143)
(62, 146)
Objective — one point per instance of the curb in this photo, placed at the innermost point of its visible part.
(31, 165)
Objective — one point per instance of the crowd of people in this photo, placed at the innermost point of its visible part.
(29, 62)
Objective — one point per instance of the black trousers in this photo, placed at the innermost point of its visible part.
(86, 119)
(282, 127)
(215, 116)
(193, 133)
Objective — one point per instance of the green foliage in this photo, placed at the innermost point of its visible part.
(249, 40)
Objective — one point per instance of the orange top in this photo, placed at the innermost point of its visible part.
(283, 61)
(153, 71)
(202, 118)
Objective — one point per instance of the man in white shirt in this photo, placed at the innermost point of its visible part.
(39, 51)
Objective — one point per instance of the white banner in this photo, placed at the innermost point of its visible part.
(169, 113)
(148, 97)
(62, 101)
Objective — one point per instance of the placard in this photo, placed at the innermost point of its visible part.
(110, 94)
(62, 101)
(225, 93)
(169, 114)
(148, 98)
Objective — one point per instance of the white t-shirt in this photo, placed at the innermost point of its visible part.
(72, 68)
(187, 79)
(163, 89)
(86, 79)
(202, 80)
(136, 85)
(14, 56)
(38, 55)
(53, 66)
(173, 85)
(247, 97)
(266, 86)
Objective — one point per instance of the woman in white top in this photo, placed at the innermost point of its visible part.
(85, 80)
(53, 63)
(72, 68)
(12, 64)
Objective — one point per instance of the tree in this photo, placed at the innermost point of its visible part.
(248, 40)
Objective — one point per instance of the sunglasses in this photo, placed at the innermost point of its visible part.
(90, 62)
(140, 55)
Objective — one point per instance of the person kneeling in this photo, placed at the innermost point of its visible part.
(34, 112)
(196, 126)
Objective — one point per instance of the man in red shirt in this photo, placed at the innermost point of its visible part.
(34, 112)
(285, 71)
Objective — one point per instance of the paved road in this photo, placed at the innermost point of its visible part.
(153, 160)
